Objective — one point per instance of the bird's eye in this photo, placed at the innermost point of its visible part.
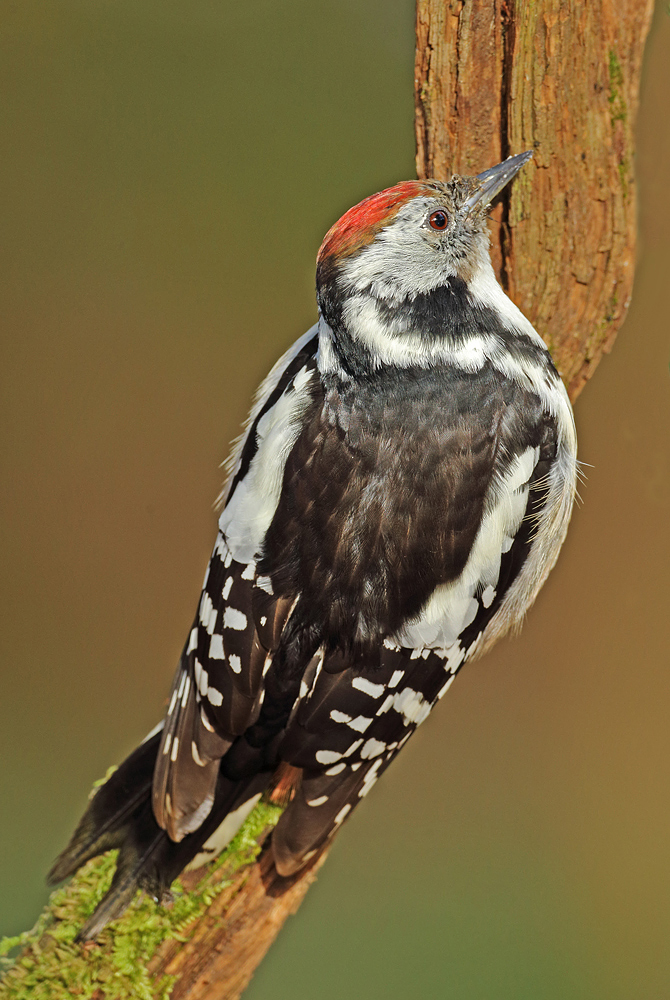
(438, 220)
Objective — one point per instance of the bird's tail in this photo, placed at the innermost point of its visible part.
(120, 816)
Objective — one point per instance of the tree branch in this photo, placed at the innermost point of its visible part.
(492, 78)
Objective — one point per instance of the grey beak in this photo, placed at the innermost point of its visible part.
(495, 178)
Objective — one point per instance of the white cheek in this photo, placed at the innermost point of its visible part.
(401, 262)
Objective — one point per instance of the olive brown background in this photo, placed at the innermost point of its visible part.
(168, 170)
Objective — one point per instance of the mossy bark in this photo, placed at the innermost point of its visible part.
(206, 943)
(492, 78)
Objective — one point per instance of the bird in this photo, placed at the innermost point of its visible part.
(399, 495)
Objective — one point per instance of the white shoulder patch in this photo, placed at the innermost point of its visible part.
(453, 606)
(250, 509)
(267, 386)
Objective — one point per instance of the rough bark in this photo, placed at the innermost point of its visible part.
(493, 77)
(231, 939)
(204, 946)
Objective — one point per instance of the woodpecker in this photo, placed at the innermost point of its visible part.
(401, 492)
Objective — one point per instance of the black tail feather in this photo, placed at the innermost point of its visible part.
(110, 813)
(128, 877)
(120, 816)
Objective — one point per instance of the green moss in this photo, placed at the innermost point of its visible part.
(618, 113)
(52, 965)
(612, 308)
(618, 110)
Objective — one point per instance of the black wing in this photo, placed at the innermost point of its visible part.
(217, 689)
(314, 652)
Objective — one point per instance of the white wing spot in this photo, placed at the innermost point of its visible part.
(205, 721)
(372, 748)
(367, 687)
(196, 756)
(182, 681)
(249, 571)
(232, 618)
(386, 704)
(342, 813)
(192, 641)
(235, 663)
(216, 647)
(412, 706)
(226, 588)
(175, 749)
(360, 723)
(455, 656)
(166, 745)
(339, 716)
(215, 697)
(487, 596)
(207, 613)
(187, 688)
(317, 802)
(336, 769)
(265, 583)
(369, 779)
(396, 676)
(327, 756)
(201, 677)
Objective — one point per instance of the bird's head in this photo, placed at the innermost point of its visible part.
(408, 241)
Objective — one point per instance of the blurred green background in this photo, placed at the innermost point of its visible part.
(168, 170)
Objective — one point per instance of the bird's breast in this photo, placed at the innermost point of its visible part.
(383, 496)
